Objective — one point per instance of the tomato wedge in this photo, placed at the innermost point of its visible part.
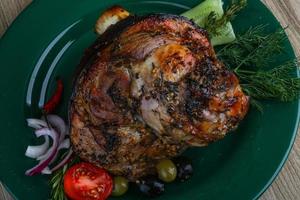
(85, 181)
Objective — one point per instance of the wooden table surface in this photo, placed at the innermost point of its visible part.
(287, 184)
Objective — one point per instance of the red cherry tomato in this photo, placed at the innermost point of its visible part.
(85, 181)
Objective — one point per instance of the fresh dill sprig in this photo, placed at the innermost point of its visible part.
(57, 181)
(250, 57)
(214, 22)
(254, 48)
(276, 83)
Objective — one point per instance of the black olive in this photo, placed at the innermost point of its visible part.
(184, 168)
(151, 186)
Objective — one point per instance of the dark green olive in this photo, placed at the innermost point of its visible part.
(151, 186)
(120, 186)
(166, 170)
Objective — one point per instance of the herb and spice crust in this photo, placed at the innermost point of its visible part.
(149, 88)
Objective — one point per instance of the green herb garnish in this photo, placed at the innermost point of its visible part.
(57, 184)
(276, 83)
(214, 22)
(210, 15)
(254, 48)
(250, 57)
(57, 181)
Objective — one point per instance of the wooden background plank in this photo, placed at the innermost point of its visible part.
(287, 184)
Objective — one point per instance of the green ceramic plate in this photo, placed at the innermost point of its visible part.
(49, 38)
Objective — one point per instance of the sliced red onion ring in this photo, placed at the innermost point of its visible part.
(36, 123)
(64, 145)
(59, 125)
(45, 157)
(42, 157)
(44, 163)
(59, 165)
(36, 151)
(63, 162)
(46, 171)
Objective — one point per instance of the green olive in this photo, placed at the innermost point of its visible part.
(166, 170)
(120, 186)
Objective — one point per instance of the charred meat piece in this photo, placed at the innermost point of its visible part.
(149, 88)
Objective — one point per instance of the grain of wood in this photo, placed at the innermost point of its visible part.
(287, 184)
(9, 10)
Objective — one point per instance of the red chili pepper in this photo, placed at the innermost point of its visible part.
(55, 99)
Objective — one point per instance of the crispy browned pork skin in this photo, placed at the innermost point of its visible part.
(149, 88)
